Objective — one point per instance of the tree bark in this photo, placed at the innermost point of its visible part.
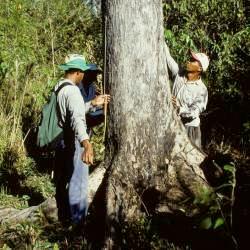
(148, 150)
(148, 154)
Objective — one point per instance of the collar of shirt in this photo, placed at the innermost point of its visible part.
(67, 80)
(193, 82)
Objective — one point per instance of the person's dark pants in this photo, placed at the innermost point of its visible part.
(194, 134)
(63, 173)
(71, 177)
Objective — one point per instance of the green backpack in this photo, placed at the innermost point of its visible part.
(49, 132)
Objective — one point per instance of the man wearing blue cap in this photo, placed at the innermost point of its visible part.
(95, 116)
(76, 153)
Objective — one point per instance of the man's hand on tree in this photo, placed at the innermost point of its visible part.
(100, 100)
(88, 154)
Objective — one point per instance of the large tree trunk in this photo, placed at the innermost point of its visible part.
(148, 150)
(149, 156)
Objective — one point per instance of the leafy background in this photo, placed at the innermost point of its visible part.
(221, 30)
(36, 35)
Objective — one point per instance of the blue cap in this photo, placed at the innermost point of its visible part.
(93, 67)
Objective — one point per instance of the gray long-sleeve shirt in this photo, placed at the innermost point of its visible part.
(191, 97)
(70, 100)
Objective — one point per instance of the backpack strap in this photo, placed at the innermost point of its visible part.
(61, 86)
(57, 106)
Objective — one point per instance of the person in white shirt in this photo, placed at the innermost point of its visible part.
(190, 95)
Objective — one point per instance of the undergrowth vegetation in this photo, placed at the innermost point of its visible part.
(35, 36)
(221, 30)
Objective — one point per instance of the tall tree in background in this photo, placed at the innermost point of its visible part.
(148, 150)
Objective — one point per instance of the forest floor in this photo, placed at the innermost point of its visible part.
(174, 233)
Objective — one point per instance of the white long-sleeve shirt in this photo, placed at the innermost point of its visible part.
(70, 100)
(191, 97)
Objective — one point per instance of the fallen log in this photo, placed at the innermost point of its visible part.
(48, 208)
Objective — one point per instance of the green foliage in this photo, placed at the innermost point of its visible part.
(21, 235)
(139, 235)
(218, 202)
(37, 35)
(207, 200)
(19, 173)
(220, 29)
(25, 236)
(206, 197)
(35, 38)
(209, 223)
(206, 223)
(98, 141)
(11, 201)
(55, 247)
(219, 222)
(29, 235)
(40, 184)
(230, 169)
